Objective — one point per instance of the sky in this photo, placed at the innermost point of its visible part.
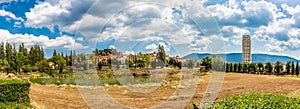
(131, 26)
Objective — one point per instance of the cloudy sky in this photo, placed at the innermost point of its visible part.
(131, 26)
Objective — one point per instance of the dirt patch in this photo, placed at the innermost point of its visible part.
(234, 84)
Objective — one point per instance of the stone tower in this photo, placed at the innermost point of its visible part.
(246, 49)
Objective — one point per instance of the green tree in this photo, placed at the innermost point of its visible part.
(269, 68)
(206, 62)
(227, 67)
(293, 68)
(245, 68)
(2, 52)
(239, 68)
(235, 65)
(288, 67)
(54, 52)
(252, 67)
(172, 62)
(297, 69)
(20, 61)
(218, 63)
(4, 66)
(260, 66)
(60, 61)
(231, 67)
(161, 55)
(8, 53)
(278, 67)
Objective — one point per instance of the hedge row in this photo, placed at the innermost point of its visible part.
(14, 91)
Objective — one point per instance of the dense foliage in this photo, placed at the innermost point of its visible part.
(257, 101)
(14, 90)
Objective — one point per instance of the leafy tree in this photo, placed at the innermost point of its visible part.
(179, 65)
(288, 67)
(4, 66)
(161, 55)
(20, 60)
(206, 62)
(60, 61)
(245, 68)
(278, 67)
(252, 67)
(269, 67)
(172, 62)
(218, 63)
(260, 66)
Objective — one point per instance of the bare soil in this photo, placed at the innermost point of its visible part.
(62, 97)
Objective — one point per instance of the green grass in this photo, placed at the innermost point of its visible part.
(15, 105)
(257, 101)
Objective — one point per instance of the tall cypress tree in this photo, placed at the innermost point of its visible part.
(8, 52)
(161, 55)
(239, 68)
(54, 52)
(297, 69)
(2, 52)
(293, 68)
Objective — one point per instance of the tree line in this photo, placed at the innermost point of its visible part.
(291, 68)
(15, 59)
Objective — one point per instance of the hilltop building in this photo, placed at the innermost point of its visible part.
(246, 49)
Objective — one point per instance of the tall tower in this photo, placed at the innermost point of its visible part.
(246, 49)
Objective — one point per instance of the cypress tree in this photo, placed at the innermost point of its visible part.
(297, 69)
(2, 52)
(54, 52)
(293, 68)
(231, 67)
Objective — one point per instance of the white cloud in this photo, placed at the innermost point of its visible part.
(65, 42)
(151, 47)
(9, 14)
(47, 15)
(112, 47)
(129, 52)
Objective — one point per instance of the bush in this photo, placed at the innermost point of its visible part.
(14, 91)
(257, 101)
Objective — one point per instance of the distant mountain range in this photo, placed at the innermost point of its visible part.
(237, 57)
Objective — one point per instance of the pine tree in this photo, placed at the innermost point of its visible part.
(2, 52)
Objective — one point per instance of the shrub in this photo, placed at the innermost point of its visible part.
(257, 101)
(14, 91)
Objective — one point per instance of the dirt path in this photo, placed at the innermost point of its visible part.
(234, 84)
